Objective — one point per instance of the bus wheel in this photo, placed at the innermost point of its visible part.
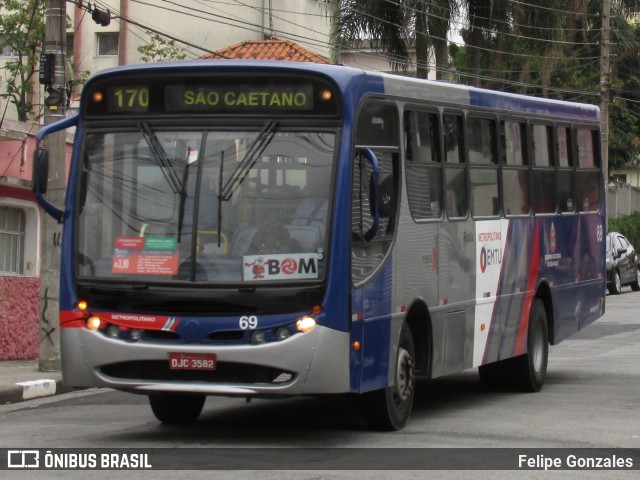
(176, 408)
(389, 408)
(527, 372)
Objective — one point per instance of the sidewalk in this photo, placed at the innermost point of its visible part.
(21, 380)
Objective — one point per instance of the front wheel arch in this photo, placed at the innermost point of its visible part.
(419, 322)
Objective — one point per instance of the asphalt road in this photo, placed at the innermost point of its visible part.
(590, 400)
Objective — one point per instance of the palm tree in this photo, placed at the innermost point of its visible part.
(381, 22)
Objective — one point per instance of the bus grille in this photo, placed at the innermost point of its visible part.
(226, 372)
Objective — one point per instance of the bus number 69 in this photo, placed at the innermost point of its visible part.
(248, 323)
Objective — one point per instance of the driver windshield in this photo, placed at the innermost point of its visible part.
(205, 206)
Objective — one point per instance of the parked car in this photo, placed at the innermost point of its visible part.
(622, 264)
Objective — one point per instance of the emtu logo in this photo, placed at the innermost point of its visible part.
(490, 257)
(23, 459)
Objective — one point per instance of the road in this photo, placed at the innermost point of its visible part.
(590, 400)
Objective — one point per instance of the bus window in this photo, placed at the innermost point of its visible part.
(588, 191)
(481, 134)
(566, 195)
(543, 175)
(422, 164)
(377, 125)
(542, 151)
(515, 173)
(587, 155)
(588, 173)
(455, 172)
(565, 157)
(544, 188)
(483, 159)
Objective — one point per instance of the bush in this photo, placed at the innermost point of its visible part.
(628, 226)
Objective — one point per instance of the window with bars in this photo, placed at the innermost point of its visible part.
(12, 231)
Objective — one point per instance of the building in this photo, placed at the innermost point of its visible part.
(204, 28)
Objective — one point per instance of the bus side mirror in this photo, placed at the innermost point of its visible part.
(40, 173)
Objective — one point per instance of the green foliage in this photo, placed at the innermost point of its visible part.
(629, 226)
(160, 49)
(555, 52)
(22, 28)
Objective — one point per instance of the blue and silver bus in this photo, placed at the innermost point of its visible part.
(261, 229)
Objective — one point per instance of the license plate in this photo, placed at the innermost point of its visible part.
(192, 361)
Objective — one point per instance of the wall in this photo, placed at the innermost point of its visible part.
(622, 200)
(19, 297)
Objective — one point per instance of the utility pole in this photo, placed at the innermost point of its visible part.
(605, 84)
(55, 103)
(334, 34)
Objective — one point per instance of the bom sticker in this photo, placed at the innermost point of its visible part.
(291, 266)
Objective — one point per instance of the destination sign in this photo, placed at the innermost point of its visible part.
(128, 98)
(255, 94)
(230, 98)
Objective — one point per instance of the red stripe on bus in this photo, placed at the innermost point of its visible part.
(71, 319)
(534, 263)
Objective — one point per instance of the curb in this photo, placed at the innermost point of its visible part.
(21, 391)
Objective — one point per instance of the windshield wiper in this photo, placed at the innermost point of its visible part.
(160, 156)
(248, 161)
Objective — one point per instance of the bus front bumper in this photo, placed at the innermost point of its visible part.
(316, 362)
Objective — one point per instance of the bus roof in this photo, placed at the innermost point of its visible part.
(398, 86)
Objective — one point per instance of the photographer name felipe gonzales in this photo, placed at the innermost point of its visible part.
(571, 461)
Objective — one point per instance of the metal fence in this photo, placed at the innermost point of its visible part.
(622, 200)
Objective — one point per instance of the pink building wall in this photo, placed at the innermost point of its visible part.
(19, 297)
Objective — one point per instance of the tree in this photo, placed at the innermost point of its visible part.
(383, 23)
(22, 29)
(160, 49)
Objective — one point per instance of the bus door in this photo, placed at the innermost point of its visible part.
(373, 211)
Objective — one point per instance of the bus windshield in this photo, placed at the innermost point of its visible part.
(232, 205)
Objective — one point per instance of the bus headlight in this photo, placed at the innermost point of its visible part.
(94, 323)
(306, 324)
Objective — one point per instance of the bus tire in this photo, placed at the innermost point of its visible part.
(527, 372)
(389, 408)
(176, 408)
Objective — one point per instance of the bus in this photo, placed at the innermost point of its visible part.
(269, 229)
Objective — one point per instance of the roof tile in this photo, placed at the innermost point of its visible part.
(268, 50)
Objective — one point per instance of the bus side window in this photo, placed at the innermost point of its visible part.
(588, 171)
(515, 171)
(423, 165)
(483, 159)
(544, 175)
(566, 196)
(455, 171)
